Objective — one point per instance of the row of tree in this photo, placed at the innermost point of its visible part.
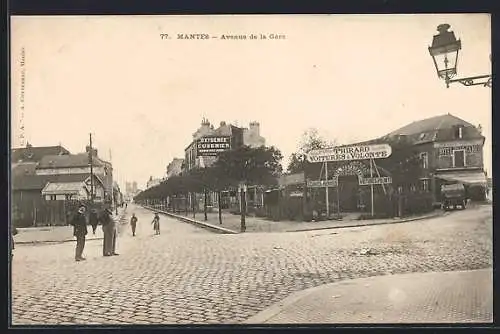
(262, 166)
(238, 167)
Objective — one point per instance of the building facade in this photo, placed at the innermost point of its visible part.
(174, 167)
(208, 141)
(46, 179)
(451, 151)
(152, 182)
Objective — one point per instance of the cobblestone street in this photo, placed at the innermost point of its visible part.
(188, 275)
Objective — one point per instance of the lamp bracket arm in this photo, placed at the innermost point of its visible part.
(484, 80)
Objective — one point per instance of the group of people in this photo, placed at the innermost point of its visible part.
(155, 222)
(79, 222)
(109, 228)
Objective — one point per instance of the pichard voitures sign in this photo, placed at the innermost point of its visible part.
(348, 153)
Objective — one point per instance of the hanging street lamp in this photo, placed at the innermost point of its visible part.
(444, 52)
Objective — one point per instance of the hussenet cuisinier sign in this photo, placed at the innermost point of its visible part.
(209, 146)
(348, 153)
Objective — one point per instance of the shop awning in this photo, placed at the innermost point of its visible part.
(467, 178)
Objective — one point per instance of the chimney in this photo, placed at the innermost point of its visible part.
(255, 128)
(205, 123)
(94, 151)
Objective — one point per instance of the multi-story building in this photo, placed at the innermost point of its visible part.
(174, 167)
(208, 142)
(451, 150)
(44, 179)
(79, 164)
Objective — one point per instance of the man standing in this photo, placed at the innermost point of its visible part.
(109, 230)
(79, 223)
(133, 223)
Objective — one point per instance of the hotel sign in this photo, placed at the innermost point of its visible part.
(349, 153)
(211, 146)
(375, 180)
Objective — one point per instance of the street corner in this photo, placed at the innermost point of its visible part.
(436, 297)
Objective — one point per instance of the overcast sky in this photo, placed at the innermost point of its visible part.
(353, 77)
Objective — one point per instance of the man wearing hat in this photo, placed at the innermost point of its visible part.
(109, 230)
(79, 223)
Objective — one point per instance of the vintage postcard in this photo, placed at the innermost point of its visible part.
(251, 169)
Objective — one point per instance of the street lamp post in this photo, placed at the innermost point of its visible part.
(444, 52)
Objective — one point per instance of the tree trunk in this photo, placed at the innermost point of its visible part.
(186, 203)
(205, 205)
(243, 210)
(220, 206)
(193, 204)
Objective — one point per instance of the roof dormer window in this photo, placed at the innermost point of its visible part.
(459, 131)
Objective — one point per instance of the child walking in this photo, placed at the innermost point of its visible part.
(156, 224)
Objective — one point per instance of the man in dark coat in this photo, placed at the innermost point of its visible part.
(79, 223)
(109, 230)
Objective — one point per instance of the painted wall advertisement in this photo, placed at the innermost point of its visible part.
(211, 146)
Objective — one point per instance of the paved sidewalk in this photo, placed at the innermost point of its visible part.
(54, 234)
(231, 222)
(436, 297)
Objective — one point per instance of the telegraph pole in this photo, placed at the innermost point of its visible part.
(91, 171)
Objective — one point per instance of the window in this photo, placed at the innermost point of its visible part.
(424, 185)
(459, 158)
(424, 160)
(52, 197)
(459, 130)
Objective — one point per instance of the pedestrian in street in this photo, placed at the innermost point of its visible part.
(79, 223)
(133, 223)
(93, 220)
(156, 224)
(109, 230)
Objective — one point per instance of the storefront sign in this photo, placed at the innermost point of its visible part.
(322, 183)
(375, 180)
(207, 146)
(348, 153)
(296, 194)
(467, 148)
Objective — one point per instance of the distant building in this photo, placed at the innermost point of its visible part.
(131, 187)
(174, 168)
(153, 182)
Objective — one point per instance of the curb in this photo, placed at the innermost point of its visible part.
(51, 241)
(120, 221)
(218, 229)
(374, 224)
(276, 308)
